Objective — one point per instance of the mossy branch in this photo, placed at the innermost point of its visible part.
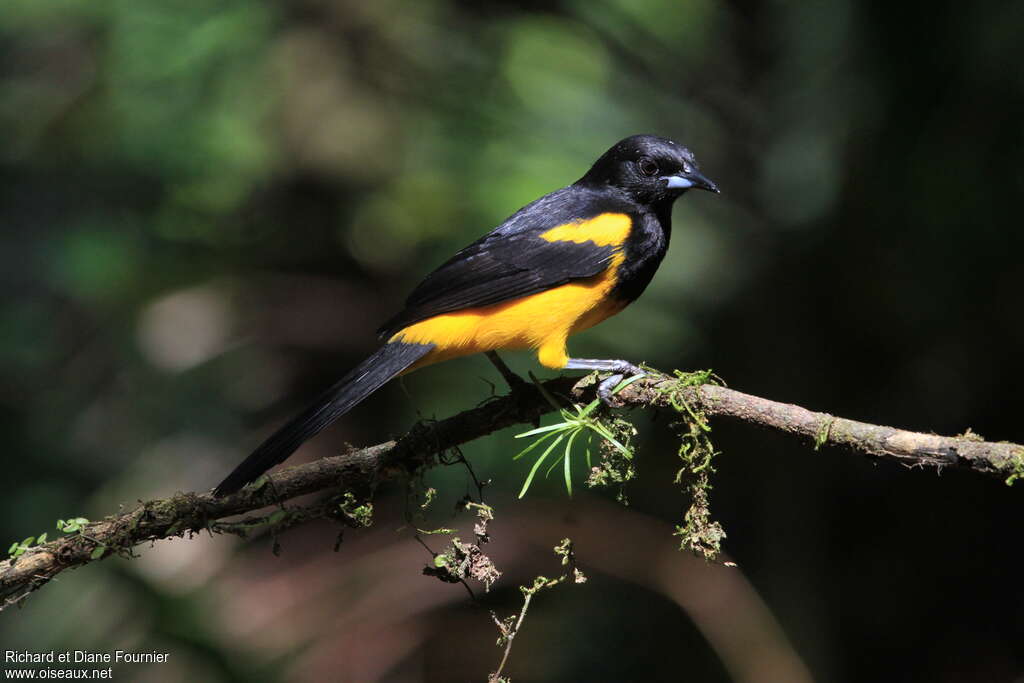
(360, 470)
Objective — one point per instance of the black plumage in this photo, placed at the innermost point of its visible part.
(639, 177)
(389, 361)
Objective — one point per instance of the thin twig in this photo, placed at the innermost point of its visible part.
(509, 634)
(508, 631)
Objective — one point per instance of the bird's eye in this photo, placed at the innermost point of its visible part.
(647, 166)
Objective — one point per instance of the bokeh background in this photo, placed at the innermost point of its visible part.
(207, 208)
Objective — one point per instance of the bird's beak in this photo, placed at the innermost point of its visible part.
(688, 180)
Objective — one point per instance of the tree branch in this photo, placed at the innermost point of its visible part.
(362, 469)
(913, 449)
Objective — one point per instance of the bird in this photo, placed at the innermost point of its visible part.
(557, 266)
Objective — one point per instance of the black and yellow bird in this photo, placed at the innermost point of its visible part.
(557, 266)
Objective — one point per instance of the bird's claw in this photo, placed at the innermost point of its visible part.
(607, 385)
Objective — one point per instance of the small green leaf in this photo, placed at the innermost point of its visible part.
(607, 436)
(568, 462)
(537, 464)
(626, 382)
(69, 526)
(42, 539)
(97, 552)
(533, 445)
(541, 430)
(591, 407)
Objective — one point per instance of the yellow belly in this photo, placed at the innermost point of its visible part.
(541, 321)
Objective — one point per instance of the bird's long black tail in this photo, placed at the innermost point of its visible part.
(348, 392)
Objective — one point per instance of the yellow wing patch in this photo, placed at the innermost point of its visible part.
(542, 321)
(608, 229)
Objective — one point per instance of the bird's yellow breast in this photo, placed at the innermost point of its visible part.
(541, 321)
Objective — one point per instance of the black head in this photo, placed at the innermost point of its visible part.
(648, 168)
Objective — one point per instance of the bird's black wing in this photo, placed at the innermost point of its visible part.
(513, 260)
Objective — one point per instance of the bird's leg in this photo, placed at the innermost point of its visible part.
(620, 368)
(513, 380)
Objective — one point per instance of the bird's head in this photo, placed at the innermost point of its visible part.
(648, 168)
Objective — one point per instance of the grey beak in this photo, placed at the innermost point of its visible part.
(693, 179)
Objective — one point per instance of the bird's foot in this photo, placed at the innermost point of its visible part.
(621, 370)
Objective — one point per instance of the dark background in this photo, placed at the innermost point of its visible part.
(207, 209)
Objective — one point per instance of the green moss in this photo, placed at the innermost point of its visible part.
(694, 379)
(616, 465)
(360, 515)
(1014, 467)
(462, 561)
(699, 533)
(824, 429)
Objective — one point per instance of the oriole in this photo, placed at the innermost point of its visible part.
(557, 266)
